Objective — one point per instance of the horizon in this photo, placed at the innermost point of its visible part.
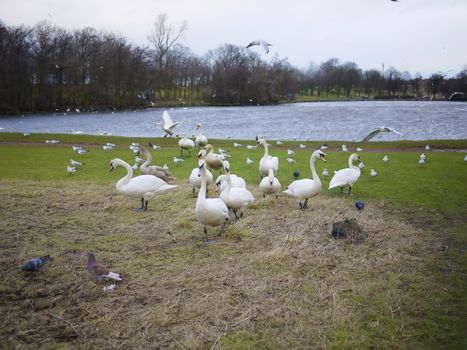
(407, 24)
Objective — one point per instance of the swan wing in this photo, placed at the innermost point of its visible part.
(299, 188)
(168, 122)
(344, 177)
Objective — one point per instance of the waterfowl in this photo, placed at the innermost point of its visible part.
(270, 184)
(155, 170)
(267, 162)
(381, 129)
(200, 140)
(236, 181)
(209, 211)
(168, 125)
(249, 161)
(187, 144)
(142, 186)
(291, 160)
(325, 172)
(307, 188)
(75, 163)
(290, 152)
(178, 160)
(385, 158)
(361, 165)
(70, 169)
(236, 198)
(264, 44)
(373, 172)
(237, 145)
(213, 160)
(347, 176)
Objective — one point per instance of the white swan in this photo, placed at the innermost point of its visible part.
(347, 176)
(307, 188)
(142, 186)
(267, 162)
(213, 160)
(236, 198)
(200, 140)
(270, 184)
(155, 170)
(169, 125)
(236, 181)
(185, 143)
(209, 211)
(195, 179)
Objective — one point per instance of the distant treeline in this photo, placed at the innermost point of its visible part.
(46, 68)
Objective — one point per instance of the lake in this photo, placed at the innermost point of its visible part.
(417, 120)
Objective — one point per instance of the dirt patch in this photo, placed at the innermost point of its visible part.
(276, 279)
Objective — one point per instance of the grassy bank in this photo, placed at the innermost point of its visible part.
(275, 280)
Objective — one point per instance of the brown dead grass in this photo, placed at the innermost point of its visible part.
(276, 279)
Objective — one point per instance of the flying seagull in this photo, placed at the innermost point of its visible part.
(379, 130)
(261, 43)
(99, 271)
(169, 125)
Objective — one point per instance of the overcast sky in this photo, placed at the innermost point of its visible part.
(423, 36)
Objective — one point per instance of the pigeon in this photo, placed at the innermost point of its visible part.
(99, 271)
(380, 130)
(359, 205)
(296, 174)
(261, 43)
(36, 263)
(153, 146)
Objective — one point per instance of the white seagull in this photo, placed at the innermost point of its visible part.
(265, 45)
(380, 130)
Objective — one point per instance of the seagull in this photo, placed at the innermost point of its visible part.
(359, 149)
(261, 43)
(237, 145)
(325, 172)
(361, 165)
(427, 147)
(169, 125)
(75, 163)
(178, 160)
(465, 158)
(302, 146)
(139, 160)
(421, 161)
(107, 148)
(279, 143)
(153, 146)
(290, 160)
(422, 156)
(250, 147)
(385, 158)
(81, 151)
(36, 263)
(249, 161)
(70, 169)
(290, 152)
(99, 271)
(76, 148)
(379, 130)
(373, 172)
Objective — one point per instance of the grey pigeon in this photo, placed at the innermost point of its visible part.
(36, 263)
(99, 271)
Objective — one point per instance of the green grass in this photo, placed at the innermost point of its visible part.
(420, 305)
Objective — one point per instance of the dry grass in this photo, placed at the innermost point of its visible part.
(275, 280)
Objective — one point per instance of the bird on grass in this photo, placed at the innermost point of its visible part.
(421, 161)
(249, 161)
(359, 205)
(36, 263)
(70, 169)
(101, 272)
(75, 163)
(325, 172)
(385, 159)
(373, 172)
(347, 176)
(378, 131)
(265, 45)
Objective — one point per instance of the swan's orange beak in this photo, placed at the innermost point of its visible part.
(323, 158)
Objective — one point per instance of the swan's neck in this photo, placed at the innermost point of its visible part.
(265, 145)
(202, 190)
(271, 177)
(351, 166)
(313, 171)
(148, 160)
(129, 174)
(228, 186)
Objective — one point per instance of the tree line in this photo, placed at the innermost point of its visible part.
(46, 68)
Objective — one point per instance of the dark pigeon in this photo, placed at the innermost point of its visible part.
(99, 271)
(36, 263)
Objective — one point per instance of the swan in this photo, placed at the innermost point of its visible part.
(267, 162)
(195, 179)
(347, 176)
(200, 140)
(142, 186)
(236, 181)
(169, 125)
(185, 143)
(307, 188)
(270, 184)
(236, 198)
(209, 211)
(155, 170)
(213, 160)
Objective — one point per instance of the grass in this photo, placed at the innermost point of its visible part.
(275, 280)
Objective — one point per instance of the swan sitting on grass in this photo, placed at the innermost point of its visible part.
(155, 170)
(307, 188)
(347, 176)
(209, 211)
(142, 186)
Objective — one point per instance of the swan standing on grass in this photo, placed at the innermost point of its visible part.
(347, 176)
(236, 181)
(236, 198)
(267, 162)
(155, 170)
(307, 188)
(270, 184)
(195, 179)
(209, 211)
(142, 186)
(200, 140)
(185, 143)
